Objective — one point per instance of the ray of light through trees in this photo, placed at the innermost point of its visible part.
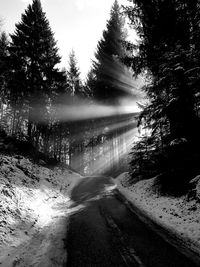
(89, 124)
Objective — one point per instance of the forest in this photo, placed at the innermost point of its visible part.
(85, 123)
(55, 112)
(168, 54)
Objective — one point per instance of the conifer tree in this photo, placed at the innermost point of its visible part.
(4, 70)
(165, 51)
(76, 90)
(34, 58)
(3, 65)
(168, 53)
(73, 76)
(107, 66)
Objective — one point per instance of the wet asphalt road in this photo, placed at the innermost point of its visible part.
(103, 232)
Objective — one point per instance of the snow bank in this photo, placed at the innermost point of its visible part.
(179, 215)
(34, 206)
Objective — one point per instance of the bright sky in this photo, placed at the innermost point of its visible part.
(77, 24)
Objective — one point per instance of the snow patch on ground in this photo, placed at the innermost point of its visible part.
(34, 207)
(180, 215)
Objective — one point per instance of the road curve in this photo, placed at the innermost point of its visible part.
(103, 232)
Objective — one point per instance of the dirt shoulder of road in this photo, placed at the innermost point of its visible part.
(177, 219)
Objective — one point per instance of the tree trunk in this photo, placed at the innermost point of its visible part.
(30, 123)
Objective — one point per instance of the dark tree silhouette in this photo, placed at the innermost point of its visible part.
(33, 57)
(73, 76)
(107, 83)
(168, 53)
(3, 73)
(77, 94)
(107, 66)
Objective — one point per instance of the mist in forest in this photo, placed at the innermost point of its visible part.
(88, 124)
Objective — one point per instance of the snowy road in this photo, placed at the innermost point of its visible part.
(103, 232)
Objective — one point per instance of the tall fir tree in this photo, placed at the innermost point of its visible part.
(107, 66)
(76, 90)
(4, 70)
(168, 53)
(73, 76)
(34, 58)
(108, 82)
(3, 64)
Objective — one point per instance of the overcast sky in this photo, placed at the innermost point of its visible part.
(77, 24)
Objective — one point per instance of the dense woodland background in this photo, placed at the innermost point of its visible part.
(42, 104)
(34, 92)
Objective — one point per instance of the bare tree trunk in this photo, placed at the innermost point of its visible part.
(29, 131)
(2, 112)
(13, 121)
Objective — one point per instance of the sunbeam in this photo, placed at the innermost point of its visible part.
(105, 159)
(106, 127)
(78, 109)
(108, 153)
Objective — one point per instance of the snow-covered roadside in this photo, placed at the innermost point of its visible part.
(34, 207)
(178, 215)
